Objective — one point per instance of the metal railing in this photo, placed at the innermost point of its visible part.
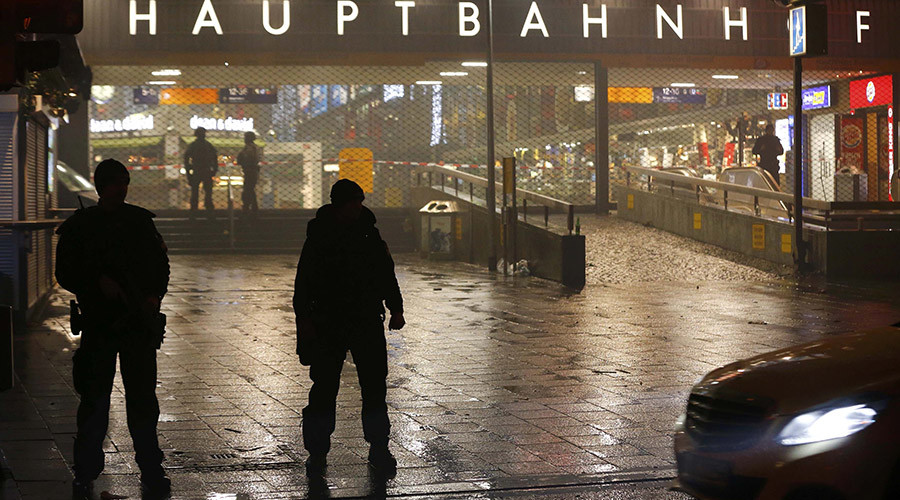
(826, 215)
(440, 176)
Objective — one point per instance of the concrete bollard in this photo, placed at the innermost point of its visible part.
(573, 261)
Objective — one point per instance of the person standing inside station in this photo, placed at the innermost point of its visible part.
(769, 148)
(345, 278)
(114, 260)
(201, 162)
(248, 159)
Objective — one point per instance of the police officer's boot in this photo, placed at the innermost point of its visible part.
(155, 485)
(82, 489)
(316, 464)
(382, 461)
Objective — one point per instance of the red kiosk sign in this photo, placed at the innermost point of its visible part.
(878, 91)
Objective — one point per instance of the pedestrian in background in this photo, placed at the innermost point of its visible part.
(201, 162)
(345, 277)
(248, 159)
(114, 261)
(769, 148)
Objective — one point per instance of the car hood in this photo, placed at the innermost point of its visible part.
(800, 377)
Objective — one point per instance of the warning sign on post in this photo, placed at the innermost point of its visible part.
(358, 164)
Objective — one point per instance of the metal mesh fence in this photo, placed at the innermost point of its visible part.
(376, 124)
(316, 124)
(738, 126)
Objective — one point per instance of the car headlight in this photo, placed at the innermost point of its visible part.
(823, 425)
(679, 423)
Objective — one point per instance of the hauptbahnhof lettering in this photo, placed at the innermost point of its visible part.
(542, 29)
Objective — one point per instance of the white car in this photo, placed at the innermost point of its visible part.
(816, 421)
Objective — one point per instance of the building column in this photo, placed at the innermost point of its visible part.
(601, 139)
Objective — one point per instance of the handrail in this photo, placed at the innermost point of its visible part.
(523, 194)
(727, 186)
(31, 225)
(482, 182)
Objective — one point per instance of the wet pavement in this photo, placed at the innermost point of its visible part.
(498, 387)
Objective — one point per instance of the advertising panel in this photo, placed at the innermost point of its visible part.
(339, 96)
(676, 95)
(777, 101)
(241, 94)
(631, 95)
(146, 95)
(817, 98)
(852, 142)
(357, 164)
(866, 93)
(189, 95)
(318, 100)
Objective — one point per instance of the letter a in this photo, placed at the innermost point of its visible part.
(534, 21)
(207, 18)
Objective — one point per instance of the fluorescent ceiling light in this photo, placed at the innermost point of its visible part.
(167, 72)
(475, 64)
(429, 82)
(686, 85)
(725, 77)
(454, 73)
(162, 82)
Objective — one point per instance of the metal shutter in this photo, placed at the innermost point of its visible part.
(8, 245)
(36, 208)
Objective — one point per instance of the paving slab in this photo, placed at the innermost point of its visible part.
(499, 387)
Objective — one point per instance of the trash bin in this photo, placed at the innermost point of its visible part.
(440, 229)
(850, 187)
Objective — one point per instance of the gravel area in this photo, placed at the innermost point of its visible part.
(619, 251)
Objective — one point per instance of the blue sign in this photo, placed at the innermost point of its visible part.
(798, 31)
(146, 95)
(817, 98)
(318, 100)
(678, 95)
(339, 96)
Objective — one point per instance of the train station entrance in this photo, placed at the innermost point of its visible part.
(373, 91)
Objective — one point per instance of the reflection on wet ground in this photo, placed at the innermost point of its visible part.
(499, 387)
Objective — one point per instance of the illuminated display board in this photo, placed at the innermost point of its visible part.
(817, 98)
(866, 93)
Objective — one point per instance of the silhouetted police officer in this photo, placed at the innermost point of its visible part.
(769, 148)
(201, 162)
(248, 159)
(344, 279)
(113, 259)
